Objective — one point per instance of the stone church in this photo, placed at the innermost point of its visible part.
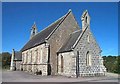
(63, 48)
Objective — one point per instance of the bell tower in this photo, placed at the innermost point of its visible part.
(33, 30)
(85, 20)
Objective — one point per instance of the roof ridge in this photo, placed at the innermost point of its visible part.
(49, 25)
(60, 23)
(55, 25)
(54, 22)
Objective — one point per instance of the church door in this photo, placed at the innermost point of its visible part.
(61, 63)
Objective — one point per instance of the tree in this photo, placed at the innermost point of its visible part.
(112, 63)
(6, 59)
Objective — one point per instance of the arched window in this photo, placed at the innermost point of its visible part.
(88, 59)
(88, 38)
(62, 63)
(86, 19)
(35, 57)
(31, 56)
(26, 58)
(41, 55)
(23, 58)
(36, 60)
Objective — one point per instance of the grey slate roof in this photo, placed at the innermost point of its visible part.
(41, 36)
(18, 56)
(70, 42)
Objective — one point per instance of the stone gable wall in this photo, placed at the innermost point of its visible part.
(96, 67)
(59, 37)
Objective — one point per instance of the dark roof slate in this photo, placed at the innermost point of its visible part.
(41, 36)
(70, 42)
(18, 56)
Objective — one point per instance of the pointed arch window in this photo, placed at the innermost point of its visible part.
(26, 59)
(86, 19)
(88, 59)
(23, 60)
(88, 38)
(36, 60)
(41, 55)
(62, 64)
(31, 56)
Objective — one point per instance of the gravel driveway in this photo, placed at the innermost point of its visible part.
(20, 76)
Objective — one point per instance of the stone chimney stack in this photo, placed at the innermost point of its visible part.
(85, 20)
(12, 67)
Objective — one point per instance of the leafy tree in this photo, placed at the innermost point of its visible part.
(6, 59)
(112, 63)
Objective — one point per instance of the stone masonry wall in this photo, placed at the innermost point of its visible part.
(35, 59)
(68, 63)
(96, 67)
(18, 65)
(59, 37)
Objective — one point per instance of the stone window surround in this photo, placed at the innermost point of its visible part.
(41, 53)
(36, 55)
(88, 38)
(86, 19)
(26, 56)
(88, 59)
(62, 64)
(31, 56)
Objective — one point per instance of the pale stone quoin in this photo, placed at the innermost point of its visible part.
(62, 48)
